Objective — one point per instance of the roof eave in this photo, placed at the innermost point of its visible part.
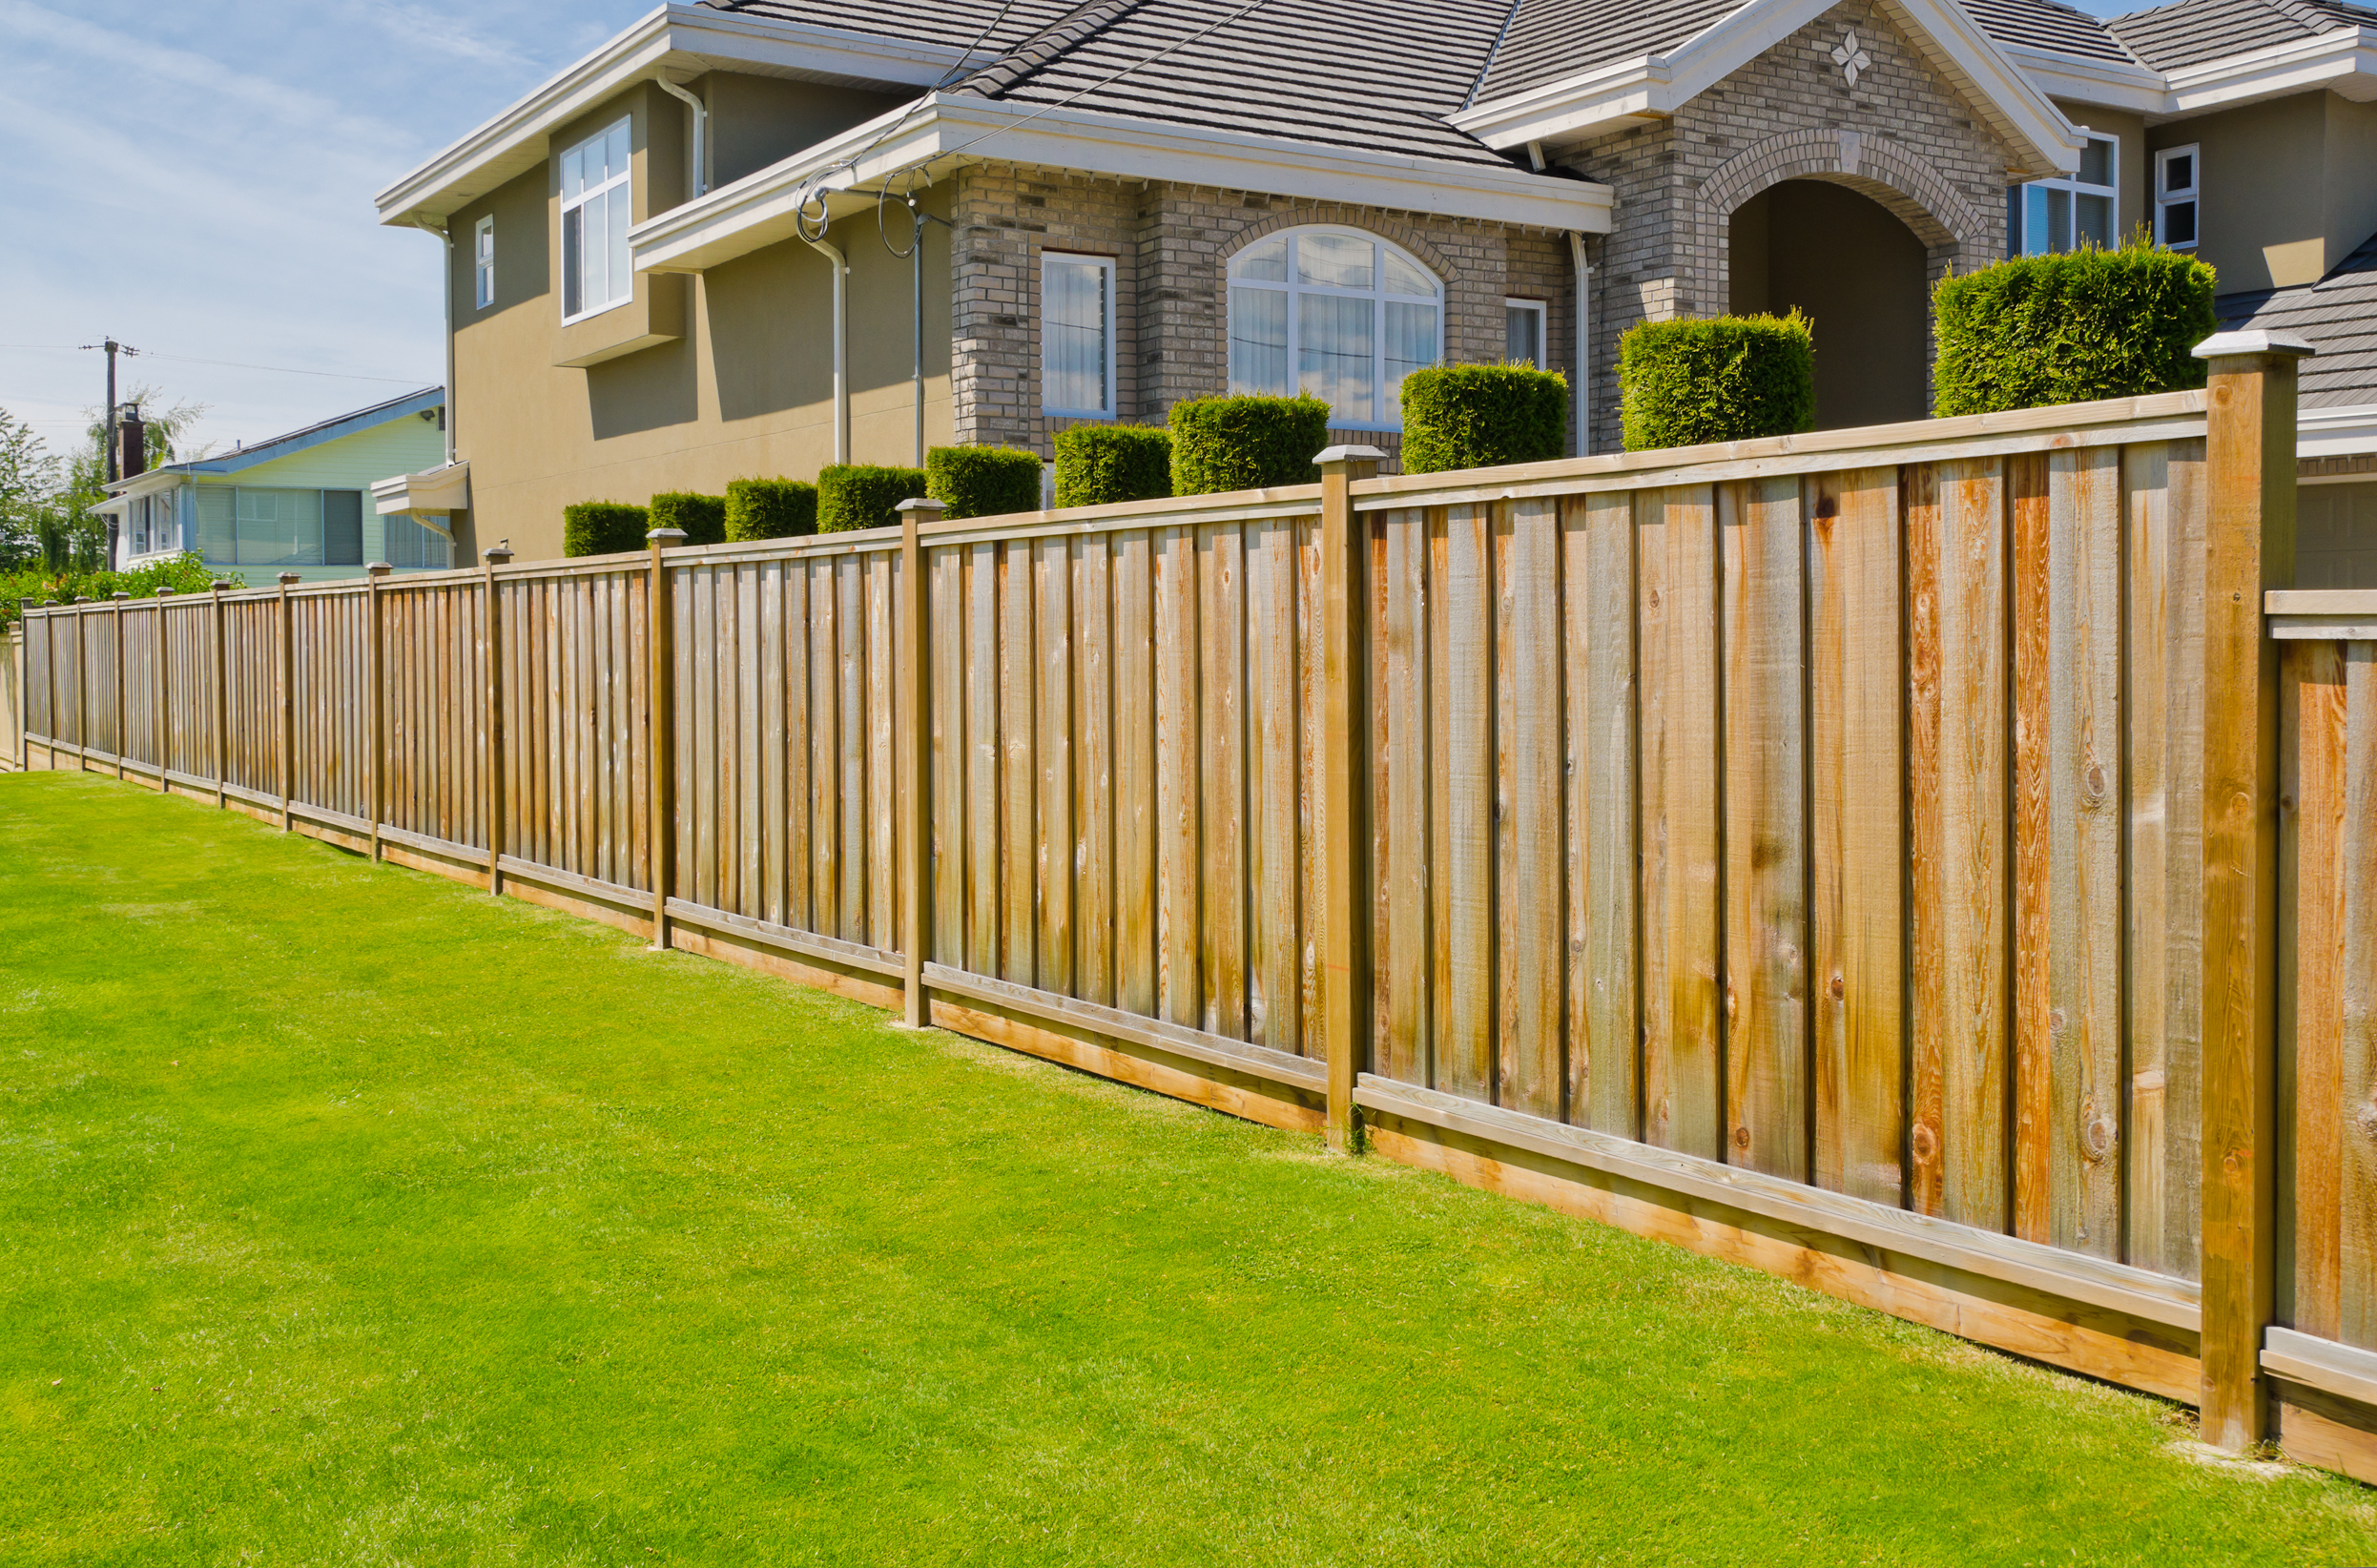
(2077, 78)
(2343, 62)
(678, 40)
(943, 131)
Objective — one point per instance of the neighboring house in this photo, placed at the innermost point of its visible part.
(299, 502)
(692, 256)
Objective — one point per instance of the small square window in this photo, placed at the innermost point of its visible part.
(2177, 194)
(2049, 216)
(1523, 332)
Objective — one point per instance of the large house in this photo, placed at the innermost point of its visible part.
(754, 236)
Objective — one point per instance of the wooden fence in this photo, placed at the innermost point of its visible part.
(1850, 854)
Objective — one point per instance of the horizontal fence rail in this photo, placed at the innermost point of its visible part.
(1817, 851)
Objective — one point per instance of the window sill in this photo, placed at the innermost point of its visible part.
(655, 313)
(1099, 414)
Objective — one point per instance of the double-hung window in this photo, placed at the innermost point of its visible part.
(2178, 189)
(1337, 313)
(1523, 332)
(597, 199)
(2063, 214)
(1077, 336)
(483, 261)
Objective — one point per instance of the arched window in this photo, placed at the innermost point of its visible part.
(1337, 313)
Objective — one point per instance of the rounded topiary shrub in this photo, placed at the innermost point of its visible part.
(1098, 464)
(2072, 328)
(1735, 378)
(602, 527)
(702, 517)
(983, 481)
(771, 509)
(1482, 416)
(861, 495)
(1245, 444)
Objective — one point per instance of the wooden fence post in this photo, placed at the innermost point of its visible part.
(1347, 986)
(916, 789)
(375, 770)
(48, 681)
(222, 701)
(2250, 460)
(661, 752)
(82, 682)
(122, 678)
(288, 698)
(494, 556)
(162, 694)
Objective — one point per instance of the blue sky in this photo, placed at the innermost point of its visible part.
(196, 178)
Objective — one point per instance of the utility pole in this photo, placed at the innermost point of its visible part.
(108, 437)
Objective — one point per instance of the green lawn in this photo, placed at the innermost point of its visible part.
(350, 1216)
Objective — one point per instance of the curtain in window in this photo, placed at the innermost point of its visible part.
(1258, 340)
(1073, 345)
(278, 528)
(1333, 354)
(1411, 345)
(217, 541)
(415, 548)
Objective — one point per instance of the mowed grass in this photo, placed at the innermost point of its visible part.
(353, 1217)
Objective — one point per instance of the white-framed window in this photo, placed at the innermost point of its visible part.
(1076, 335)
(482, 260)
(2177, 190)
(249, 525)
(1338, 313)
(1523, 332)
(414, 545)
(598, 201)
(2063, 214)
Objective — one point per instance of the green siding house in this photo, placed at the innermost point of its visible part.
(300, 502)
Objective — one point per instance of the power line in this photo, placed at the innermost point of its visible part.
(229, 364)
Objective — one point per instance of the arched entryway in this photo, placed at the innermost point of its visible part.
(1859, 274)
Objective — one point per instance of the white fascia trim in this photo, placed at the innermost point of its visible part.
(943, 131)
(1654, 86)
(2132, 88)
(432, 490)
(2344, 431)
(688, 38)
(2344, 61)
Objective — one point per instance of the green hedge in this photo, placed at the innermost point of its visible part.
(702, 517)
(983, 481)
(770, 508)
(1481, 416)
(1734, 378)
(1245, 444)
(183, 573)
(2072, 328)
(603, 527)
(1100, 463)
(859, 495)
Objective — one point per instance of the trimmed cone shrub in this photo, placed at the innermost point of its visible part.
(1735, 378)
(771, 509)
(603, 527)
(983, 481)
(702, 517)
(1245, 444)
(1481, 416)
(861, 495)
(1098, 464)
(2072, 328)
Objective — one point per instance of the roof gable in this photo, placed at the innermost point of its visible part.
(2195, 31)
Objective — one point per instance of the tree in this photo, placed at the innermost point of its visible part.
(29, 477)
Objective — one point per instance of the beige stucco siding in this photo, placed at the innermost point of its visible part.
(2289, 186)
(742, 387)
(2133, 207)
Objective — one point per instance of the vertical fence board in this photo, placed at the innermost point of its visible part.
(1465, 1051)
(1221, 775)
(1405, 947)
(1275, 1004)
(1533, 920)
(1598, 540)
(1137, 760)
(1052, 668)
(1093, 752)
(1176, 777)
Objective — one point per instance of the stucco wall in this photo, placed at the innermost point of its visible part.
(1901, 135)
(2134, 205)
(2336, 536)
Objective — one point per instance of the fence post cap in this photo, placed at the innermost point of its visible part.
(495, 555)
(119, 594)
(217, 586)
(2229, 345)
(1348, 454)
(285, 579)
(379, 568)
(165, 590)
(662, 536)
(926, 508)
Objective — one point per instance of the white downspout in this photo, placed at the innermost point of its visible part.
(445, 291)
(701, 133)
(841, 346)
(1584, 346)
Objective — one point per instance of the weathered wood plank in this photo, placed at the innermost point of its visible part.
(1604, 1018)
(1406, 951)
(1763, 562)
(983, 758)
(1221, 724)
(1136, 805)
(1178, 765)
(825, 753)
(2316, 727)
(1053, 849)
(1858, 759)
(1530, 589)
(853, 736)
(1273, 786)
(1017, 783)
(946, 647)
(1465, 1051)
(1093, 764)
(882, 754)
(2357, 959)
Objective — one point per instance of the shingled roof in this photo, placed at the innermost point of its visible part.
(2338, 316)
(2046, 24)
(2193, 32)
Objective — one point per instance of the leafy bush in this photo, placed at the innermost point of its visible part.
(184, 573)
(2072, 328)
(1734, 378)
(859, 495)
(1245, 444)
(770, 508)
(702, 517)
(603, 527)
(1481, 416)
(983, 481)
(1098, 464)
